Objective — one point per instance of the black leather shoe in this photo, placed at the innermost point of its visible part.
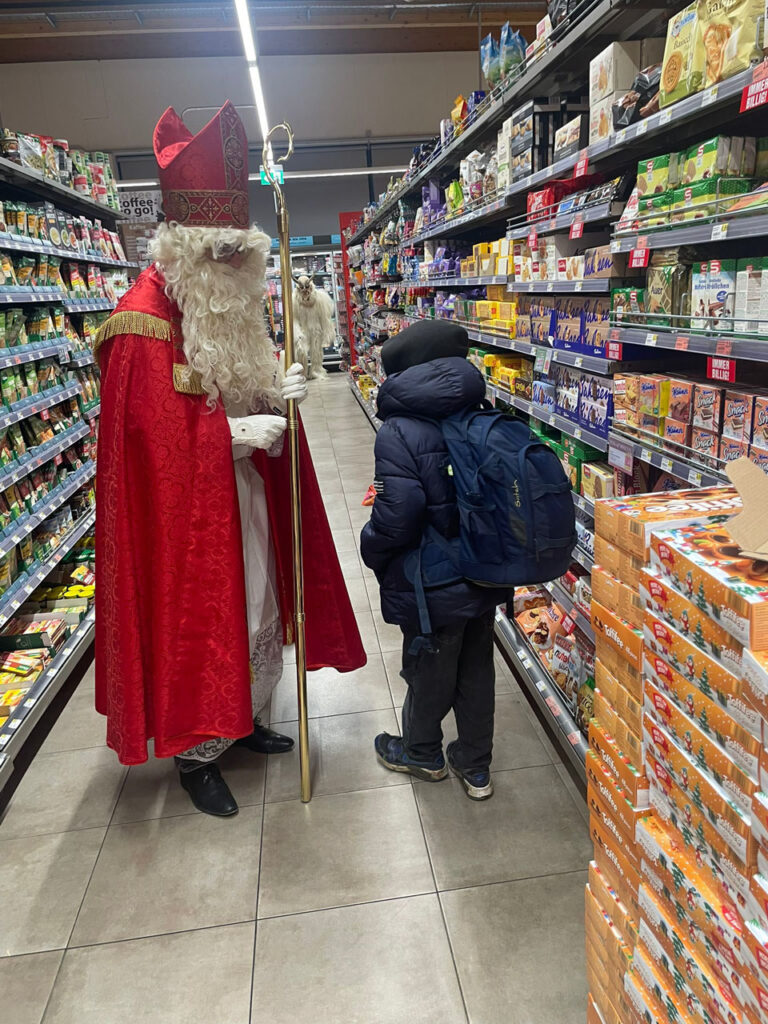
(265, 741)
(208, 791)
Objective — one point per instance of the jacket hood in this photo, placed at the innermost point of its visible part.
(433, 390)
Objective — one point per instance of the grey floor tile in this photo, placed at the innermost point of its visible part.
(173, 979)
(334, 851)
(350, 565)
(359, 517)
(515, 744)
(68, 790)
(505, 682)
(152, 790)
(369, 964)
(575, 793)
(44, 878)
(88, 682)
(78, 726)
(393, 662)
(390, 637)
(345, 540)
(358, 595)
(333, 693)
(342, 756)
(368, 634)
(26, 983)
(172, 874)
(530, 827)
(519, 950)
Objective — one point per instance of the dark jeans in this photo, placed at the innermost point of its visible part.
(459, 675)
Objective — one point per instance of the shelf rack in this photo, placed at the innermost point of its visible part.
(18, 243)
(36, 184)
(563, 424)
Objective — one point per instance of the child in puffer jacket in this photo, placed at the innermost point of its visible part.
(428, 379)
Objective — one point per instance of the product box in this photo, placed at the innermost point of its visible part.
(738, 411)
(707, 407)
(676, 433)
(684, 615)
(619, 633)
(613, 70)
(611, 660)
(624, 566)
(595, 403)
(653, 175)
(628, 522)
(628, 709)
(749, 277)
(700, 296)
(596, 480)
(682, 71)
(624, 600)
(680, 400)
(612, 862)
(628, 778)
(571, 137)
(653, 395)
(614, 798)
(759, 456)
(601, 117)
(602, 813)
(754, 670)
(730, 450)
(706, 566)
(705, 444)
(611, 903)
(707, 159)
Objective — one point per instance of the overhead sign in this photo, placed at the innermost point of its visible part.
(277, 174)
(141, 207)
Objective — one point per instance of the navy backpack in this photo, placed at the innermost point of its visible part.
(516, 513)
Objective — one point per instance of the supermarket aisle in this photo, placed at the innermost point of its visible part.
(382, 899)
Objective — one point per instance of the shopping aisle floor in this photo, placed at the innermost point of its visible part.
(381, 900)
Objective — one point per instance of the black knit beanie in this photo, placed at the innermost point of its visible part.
(422, 342)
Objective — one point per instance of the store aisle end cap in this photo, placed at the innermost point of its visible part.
(750, 527)
(203, 177)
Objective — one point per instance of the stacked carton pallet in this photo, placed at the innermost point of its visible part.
(673, 769)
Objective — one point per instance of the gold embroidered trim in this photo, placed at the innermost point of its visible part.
(186, 380)
(132, 322)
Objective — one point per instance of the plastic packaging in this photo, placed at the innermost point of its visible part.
(490, 60)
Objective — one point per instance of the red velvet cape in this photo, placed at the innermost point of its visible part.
(172, 659)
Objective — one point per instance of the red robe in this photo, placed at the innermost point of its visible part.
(172, 658)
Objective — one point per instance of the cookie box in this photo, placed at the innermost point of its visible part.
(732, 822)
(661, 978)
(680, 404)
(676, 433)
(613, 70)
(612, 861)
(620, 808)
(643, 1006)
(629, 677)
(759, 456)
(619, 633)
(624, 842)
(616, 956)
(625, 739)
(696, 742)
(754, 669)
(596, 480)
(731, 450)
(704, 564)
(734, 725)
(612, 593)
(628, 522)
(705, 444)
(707, 402)
(632, 781)
(658, 594)
(738, 411)
(601, 117)
(760, 421)
(610, 901)
(653, 175)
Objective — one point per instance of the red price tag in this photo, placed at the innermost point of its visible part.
(642, 242)
(615, 334)
(553, 706)
(568, 624)
(581, 164)
(681, 343)
(44, 414)
(724, 347)
(533, 239)
(721, 369)
(574, 738)
(639, 258)
(756, 94)
(58, 459)
(577, 228)
(613, 350)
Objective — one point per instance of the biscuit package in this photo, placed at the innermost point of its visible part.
(682, 72)
(729, 36)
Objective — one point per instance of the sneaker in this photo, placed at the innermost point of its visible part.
(392, 754)
(477, 785)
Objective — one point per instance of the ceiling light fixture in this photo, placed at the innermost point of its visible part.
(251, 56)
(341, 172)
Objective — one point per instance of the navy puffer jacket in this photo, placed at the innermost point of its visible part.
(415, 489)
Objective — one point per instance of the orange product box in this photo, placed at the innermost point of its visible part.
(630, 742)
(721, 723)
(754, 669)
(631, 780)
(624, 673)
(620, 885)
(712, 677)
(658, 976)
(759, 1001)
(732, 823)
(612, 861)
(705, 565)
(661, 598)
(593, 1013)
(621, 635)
(709, 755)
(617, 561)
(626, 844)
(629, 521)
(756, 942)
(628, 709)
(606, 682)
(610, 901)
(759, 816)
(604, 713)
(646, 1003)
(612, 593)
(673, 873)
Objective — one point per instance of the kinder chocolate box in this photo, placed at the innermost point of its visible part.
(628, 522)
(738, 411)
(621, 635)
(732, 450)
(633, 782)
(733, 725)
(707, 407)
(612, 593)
(705, 565)
(660, 597)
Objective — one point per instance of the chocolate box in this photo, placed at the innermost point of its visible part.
(680, 406)
(738, 410)
(595, 403)
(621, 635)
(631, 781)
(730, 450)
(707, 403)
(704, 564)
(705, 444)
(607, 656)
(760, 421)
(617, 561)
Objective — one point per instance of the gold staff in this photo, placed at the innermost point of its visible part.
(293, 441)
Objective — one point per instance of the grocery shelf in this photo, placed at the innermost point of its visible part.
(366, 406)
(595, 364)
(27, 714)
(585, 560)
(683, 339)
(712, 229)
(564, 599)
(459, 282)
(37, 184)
(92, 412)
(593, 214)
(81, 358)
(593, 285)
(43, 453)
(88, 305)
(564, 425)
(13, 599)
(27, 295)
(586, 505)
(40, 512)
(58, 347)
(36, 403)
(18, 243)
(454, 225)
(543, 692)
(621, 445)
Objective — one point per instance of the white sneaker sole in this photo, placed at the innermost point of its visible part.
(474, 792)
(419, 773)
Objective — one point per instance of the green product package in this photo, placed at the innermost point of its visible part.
(667, 292)
(628, 305)
(682, 72)
(707, 159)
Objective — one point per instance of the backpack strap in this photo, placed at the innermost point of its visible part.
(425, 641)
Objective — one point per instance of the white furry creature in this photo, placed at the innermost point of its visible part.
(313, 314)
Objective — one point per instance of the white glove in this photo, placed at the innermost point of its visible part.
(294, 384)
(256, 431)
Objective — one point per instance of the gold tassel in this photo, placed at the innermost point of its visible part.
(186, 380)
(130, 321)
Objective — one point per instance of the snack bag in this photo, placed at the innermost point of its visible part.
(490, 59)
(511, 50)
(729, 36)
(458, 114)
(682, 72)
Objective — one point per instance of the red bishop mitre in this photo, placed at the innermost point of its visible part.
(204, 177)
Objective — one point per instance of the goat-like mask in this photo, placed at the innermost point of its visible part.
(305, 289)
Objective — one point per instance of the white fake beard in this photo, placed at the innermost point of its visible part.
(223, 326)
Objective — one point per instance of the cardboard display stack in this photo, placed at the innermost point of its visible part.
(677, 898)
